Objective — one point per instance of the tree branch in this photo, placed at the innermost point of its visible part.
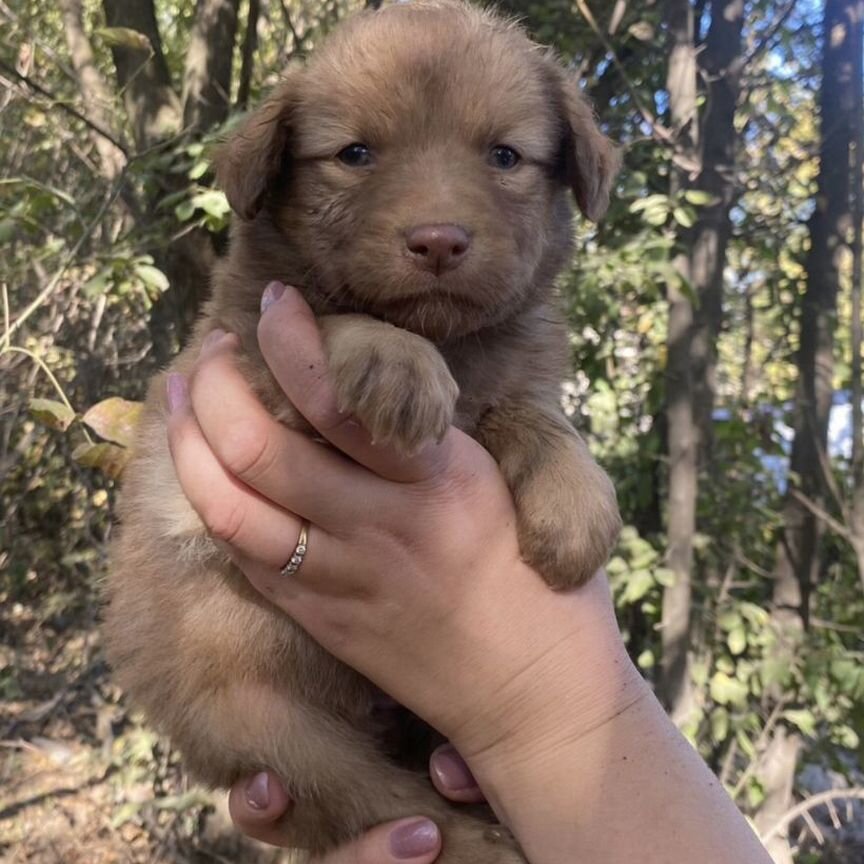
(808, 804)
(59, 103)
(660, 132)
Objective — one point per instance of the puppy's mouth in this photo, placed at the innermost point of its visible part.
(435, 313)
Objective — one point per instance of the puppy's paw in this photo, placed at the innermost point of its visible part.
(567, 512)
(394, 382)
(568, 520)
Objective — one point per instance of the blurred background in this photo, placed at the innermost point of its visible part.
(716, 342)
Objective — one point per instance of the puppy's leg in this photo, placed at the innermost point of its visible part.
(394, 382)
(568, 514)
(341, 783)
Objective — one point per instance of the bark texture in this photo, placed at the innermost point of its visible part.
(207, 76)
(722, 64)
(142, 73)
(797, 569)
(674, 685)
(95, 93)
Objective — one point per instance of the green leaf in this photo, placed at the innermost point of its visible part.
(199, 169)
(684, 216)
(700, 198)
(52, 413)
(737, 641)
(114, 420)
(184, 211)
(213, 203)
(639, 584)
(124, 37)
(728, 691)
(98, 284)
(719, 724)
(153, 277)
(646, 659)
(803, 719)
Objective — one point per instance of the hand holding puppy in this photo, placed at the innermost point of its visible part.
(415, 557)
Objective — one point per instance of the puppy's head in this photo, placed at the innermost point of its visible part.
(420, 167)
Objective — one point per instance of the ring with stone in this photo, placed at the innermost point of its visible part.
(299, 553)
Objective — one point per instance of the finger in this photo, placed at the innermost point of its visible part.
(257, 804)
(291, 344)
(409, 840)
(452, 777)
(232, 513)
(283, 465)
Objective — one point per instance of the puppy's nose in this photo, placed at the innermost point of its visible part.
(438, 247)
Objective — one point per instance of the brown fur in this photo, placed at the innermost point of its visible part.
(430, 87)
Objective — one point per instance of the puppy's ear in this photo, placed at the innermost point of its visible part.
(591, 160)
(254, 155)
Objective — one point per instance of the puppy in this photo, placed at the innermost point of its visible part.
(413, 179)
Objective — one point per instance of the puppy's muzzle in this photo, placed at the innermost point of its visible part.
(437, 248)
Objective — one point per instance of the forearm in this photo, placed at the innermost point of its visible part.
(629, 789)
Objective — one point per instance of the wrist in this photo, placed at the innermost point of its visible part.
(562, 672)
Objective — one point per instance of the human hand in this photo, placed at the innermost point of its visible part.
(258, 804)
(409, 557)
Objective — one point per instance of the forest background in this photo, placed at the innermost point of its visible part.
(716, 342)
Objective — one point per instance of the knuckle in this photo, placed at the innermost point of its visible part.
(246, 450)
(224, 521)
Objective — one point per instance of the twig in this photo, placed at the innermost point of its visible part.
(73, 253)
(660, 132)
(47, 94)
(759, 747)
(808, 804)
(821, 514)
(773, 30)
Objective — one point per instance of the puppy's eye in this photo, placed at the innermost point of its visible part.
(504, 158)
(355, 156)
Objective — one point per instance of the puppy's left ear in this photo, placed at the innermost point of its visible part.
(591, 160)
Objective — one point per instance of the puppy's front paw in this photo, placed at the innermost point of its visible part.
(394, 382)
(567, 512)
(568, 520)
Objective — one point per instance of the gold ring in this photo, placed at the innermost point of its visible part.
(299, 552)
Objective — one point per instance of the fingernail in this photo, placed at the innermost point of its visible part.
(177, 391)
(413, 839)
(271, 294)
(451, 770)
(211, 339)
(258, 791)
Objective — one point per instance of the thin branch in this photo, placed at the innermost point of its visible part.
(660, 132)
(773, 30)
(47, 94)
(819, 513)
(759, 747)
(808, 804)
(46, 292)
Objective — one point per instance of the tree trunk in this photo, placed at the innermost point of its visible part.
(797, 566)
(94, 91)
(674, 684)
(798, 560)
(722, 65)
(777, 778)
(151, 103)
(856, 336)
(207, 76)
(250, 46)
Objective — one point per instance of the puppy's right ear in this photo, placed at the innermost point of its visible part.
(254, 156)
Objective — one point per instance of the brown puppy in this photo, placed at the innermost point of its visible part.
(413, 180)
